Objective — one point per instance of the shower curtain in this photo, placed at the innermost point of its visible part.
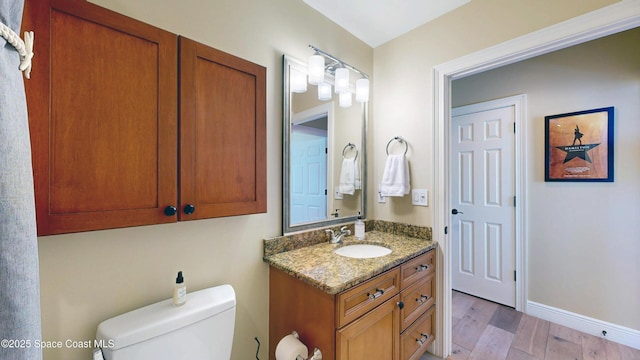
(20, 326)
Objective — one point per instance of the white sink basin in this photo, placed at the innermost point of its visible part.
(363, 251)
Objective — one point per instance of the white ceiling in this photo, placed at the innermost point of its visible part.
(378, 21)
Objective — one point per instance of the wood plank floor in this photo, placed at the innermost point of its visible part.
(483, 330)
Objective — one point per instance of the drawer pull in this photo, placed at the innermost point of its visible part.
(423, 299)
(423, 339)
(422, 267)
(376, 294)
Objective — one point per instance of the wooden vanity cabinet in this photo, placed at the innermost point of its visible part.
(417, 316)
(103, 116)
(390, 316)
(368, 317)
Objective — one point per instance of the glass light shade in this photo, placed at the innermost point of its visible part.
(345, 99)
(298, 81)
(324, 91)
(342, 80)
(362, 90)
(316, 69)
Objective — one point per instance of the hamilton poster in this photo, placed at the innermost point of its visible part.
(579, 146)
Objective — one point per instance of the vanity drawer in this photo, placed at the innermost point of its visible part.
(415, 340)
(358, 300)
(417, 269)
(416, 299)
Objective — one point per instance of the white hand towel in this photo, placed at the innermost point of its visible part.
(349, 177)
(395, 179)
(356, 171)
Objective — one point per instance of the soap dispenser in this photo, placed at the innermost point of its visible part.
(179, 291)
(359, 227)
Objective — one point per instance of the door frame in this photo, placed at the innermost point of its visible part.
(519, 103)
(620, 16)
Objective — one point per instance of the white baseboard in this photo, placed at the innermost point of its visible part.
(620, 334)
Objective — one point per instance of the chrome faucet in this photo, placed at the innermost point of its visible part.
(337, 238)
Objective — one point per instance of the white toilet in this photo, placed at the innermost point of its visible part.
(201, 329)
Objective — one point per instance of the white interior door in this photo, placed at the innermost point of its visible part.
(308, 169)
(483, 203)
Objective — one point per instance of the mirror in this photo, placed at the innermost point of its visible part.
(324, 150)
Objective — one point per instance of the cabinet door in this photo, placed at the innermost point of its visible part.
(102, 104)
(222, 133)
(373, 336)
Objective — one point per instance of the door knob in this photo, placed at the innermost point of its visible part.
(170, 210)
(189, 209)
(456, 212)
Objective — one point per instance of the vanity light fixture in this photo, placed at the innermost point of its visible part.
(298, 81)
(345, 99)
(342, 80)
(362, 90)
(318, 67)
(324, 91)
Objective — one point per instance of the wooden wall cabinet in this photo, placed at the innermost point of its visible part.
(390, 316)
(222, 133)
(105, 130)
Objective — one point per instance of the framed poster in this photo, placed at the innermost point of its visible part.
(579, 146)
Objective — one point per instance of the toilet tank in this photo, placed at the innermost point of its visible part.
(201, 329)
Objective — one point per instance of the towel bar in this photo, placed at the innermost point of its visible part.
(350, 146)
(401, 140)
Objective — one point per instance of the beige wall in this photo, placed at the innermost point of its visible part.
(402, 103)
(583, 237)
(89, 277)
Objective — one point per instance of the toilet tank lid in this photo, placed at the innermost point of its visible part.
(163, 317)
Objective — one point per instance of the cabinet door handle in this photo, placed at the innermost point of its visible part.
(189, 209)
(376, 294)
(422, 267)
(400, 305)
(423, 299)
(423, 339)
(170, 210)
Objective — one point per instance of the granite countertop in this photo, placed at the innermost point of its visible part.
(319, 266)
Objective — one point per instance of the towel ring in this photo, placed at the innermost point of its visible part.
(401, 140)
(349, 146)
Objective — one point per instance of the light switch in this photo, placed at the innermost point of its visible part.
(381, 199)
(338, 195)
(420, 197)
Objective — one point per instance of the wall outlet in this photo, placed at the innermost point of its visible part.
(338, 195)
(420, 197)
